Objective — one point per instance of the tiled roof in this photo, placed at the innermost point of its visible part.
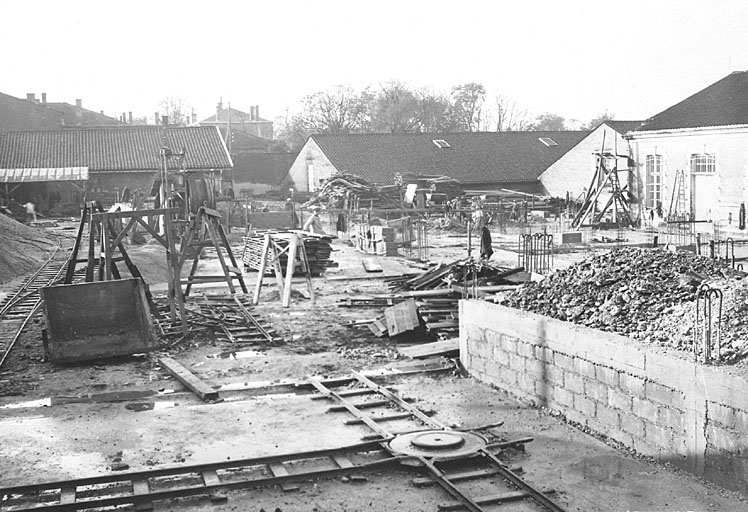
(478, 157)
(267, 168)
(723, 103)
(20, 115)
(623, 127)
(87, 117)
(130, 148)
(237, 117)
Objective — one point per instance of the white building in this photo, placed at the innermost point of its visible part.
(693, 157)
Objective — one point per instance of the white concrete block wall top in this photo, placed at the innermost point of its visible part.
(655, 400)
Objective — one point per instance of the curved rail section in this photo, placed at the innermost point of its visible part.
(21, 305)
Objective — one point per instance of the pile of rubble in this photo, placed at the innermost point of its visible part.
(645, 294)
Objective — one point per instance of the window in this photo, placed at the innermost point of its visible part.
(441, 144)
(548, 141)
(703, 164)
(654, 180)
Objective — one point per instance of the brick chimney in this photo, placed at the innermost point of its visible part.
(78, 112)
(31, 96)
(155, 118)
(165, 120)
(44, 98)
(129, 118)
(219, 108)
(257, 112)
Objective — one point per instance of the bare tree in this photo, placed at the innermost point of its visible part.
(509, 116)
(548, 122)
(601, 118)
(433, 112)
(395, 109)
(337, 110)
(467, 105)
(291, 130)
(177, 109)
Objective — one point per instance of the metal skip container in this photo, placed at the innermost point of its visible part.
(97, 320)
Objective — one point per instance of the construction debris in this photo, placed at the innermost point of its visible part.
(190, 380)
(346, 190)
(317, 247)
(646, 294)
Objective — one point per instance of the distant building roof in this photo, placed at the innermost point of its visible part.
(79, 116)
(623, 127)
(126, 148)
(238, 117)
(266, 168)
(476, 157)
(20, 115)
(723, 103)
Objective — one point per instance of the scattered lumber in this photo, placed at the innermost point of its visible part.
(318, 250)
(188, 379)
(438, 348)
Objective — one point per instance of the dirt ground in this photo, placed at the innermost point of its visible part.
(72, 421)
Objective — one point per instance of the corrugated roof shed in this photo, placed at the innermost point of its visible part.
(723, 103)
(477, 157)
(130, 148)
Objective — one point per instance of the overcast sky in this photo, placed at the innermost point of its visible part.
(576, 58)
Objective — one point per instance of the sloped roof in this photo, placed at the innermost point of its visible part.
(237, 117)
(723, 103)
(477, 157)
(19, 115)
(266, 168)
(127, 148)
(87, 117)
(623, 127)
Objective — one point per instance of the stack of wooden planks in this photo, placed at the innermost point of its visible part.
(318, 251)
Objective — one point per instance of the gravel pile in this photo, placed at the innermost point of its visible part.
(645, 294)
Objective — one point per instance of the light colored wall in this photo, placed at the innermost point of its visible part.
(573, 172)
(729, 145)
(660, 404)
(310, 154)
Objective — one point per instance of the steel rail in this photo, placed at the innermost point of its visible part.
(19, 295)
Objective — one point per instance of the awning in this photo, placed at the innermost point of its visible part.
(43, 174)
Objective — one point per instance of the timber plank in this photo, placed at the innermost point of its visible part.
(437, 348)
(190, 380)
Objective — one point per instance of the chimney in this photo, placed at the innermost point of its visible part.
(44, 98)
(219, 108)
(129, 118)
(78, 113)
(31, 96)
(194, 117)
(257, 112)
(251, 113)
(165, 120)
(155, 118)
(78, 103)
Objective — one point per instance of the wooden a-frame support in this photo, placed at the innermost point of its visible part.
(271, 253)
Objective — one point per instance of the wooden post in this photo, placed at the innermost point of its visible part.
(293, 247)
(261, 271)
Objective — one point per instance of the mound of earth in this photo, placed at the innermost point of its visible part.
(646, 294)
(22, 248)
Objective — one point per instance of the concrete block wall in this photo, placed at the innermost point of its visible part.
(658, 402)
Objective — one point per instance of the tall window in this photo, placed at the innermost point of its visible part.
(654, 180)
(703, 164)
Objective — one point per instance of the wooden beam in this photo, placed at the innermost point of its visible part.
(190, 380)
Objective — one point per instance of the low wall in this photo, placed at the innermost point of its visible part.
(655, 401)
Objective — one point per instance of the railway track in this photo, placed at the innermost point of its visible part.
(464, 463)
(22, 303)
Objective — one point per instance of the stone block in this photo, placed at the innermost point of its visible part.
(584, 368)
(632, 384)
(633, 425)
(584, 405)
(658, 435)
(563, 361)
(596, 390)
(608, 376)
(608, 415)
(509, 343)
(619, 400)
(574, 383)
(645, 409)
(526, 350)
(673, 418)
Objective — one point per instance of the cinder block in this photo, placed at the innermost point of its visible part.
(673, 418)
(658, 393)
(526, 350)
(584, 368)
(632, 384)
(645, 448)
(608, 415)
(658, 435)
(526, 383)
(726, 440)
(574, 383)
(584, 405)
(563, 397)
(516, 362)
(563, 361)
(721, 414)
(554, 376)
(501, 356)
(536, 368)
(596, 390)
(645, 409)
(509, 343)
(508, 376)
(576, 416)
(632, 425)
(619, 400)
(741, 421)
(599, 426)
(621, 436)
(544, 354)
(607, 376)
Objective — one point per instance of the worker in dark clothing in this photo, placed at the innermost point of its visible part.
(486, 251)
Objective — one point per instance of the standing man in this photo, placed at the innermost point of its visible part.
(313, 223)
(30, 211)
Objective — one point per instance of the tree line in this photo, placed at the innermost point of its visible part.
(395, 107)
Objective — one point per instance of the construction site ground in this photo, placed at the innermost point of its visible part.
(85, 419)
